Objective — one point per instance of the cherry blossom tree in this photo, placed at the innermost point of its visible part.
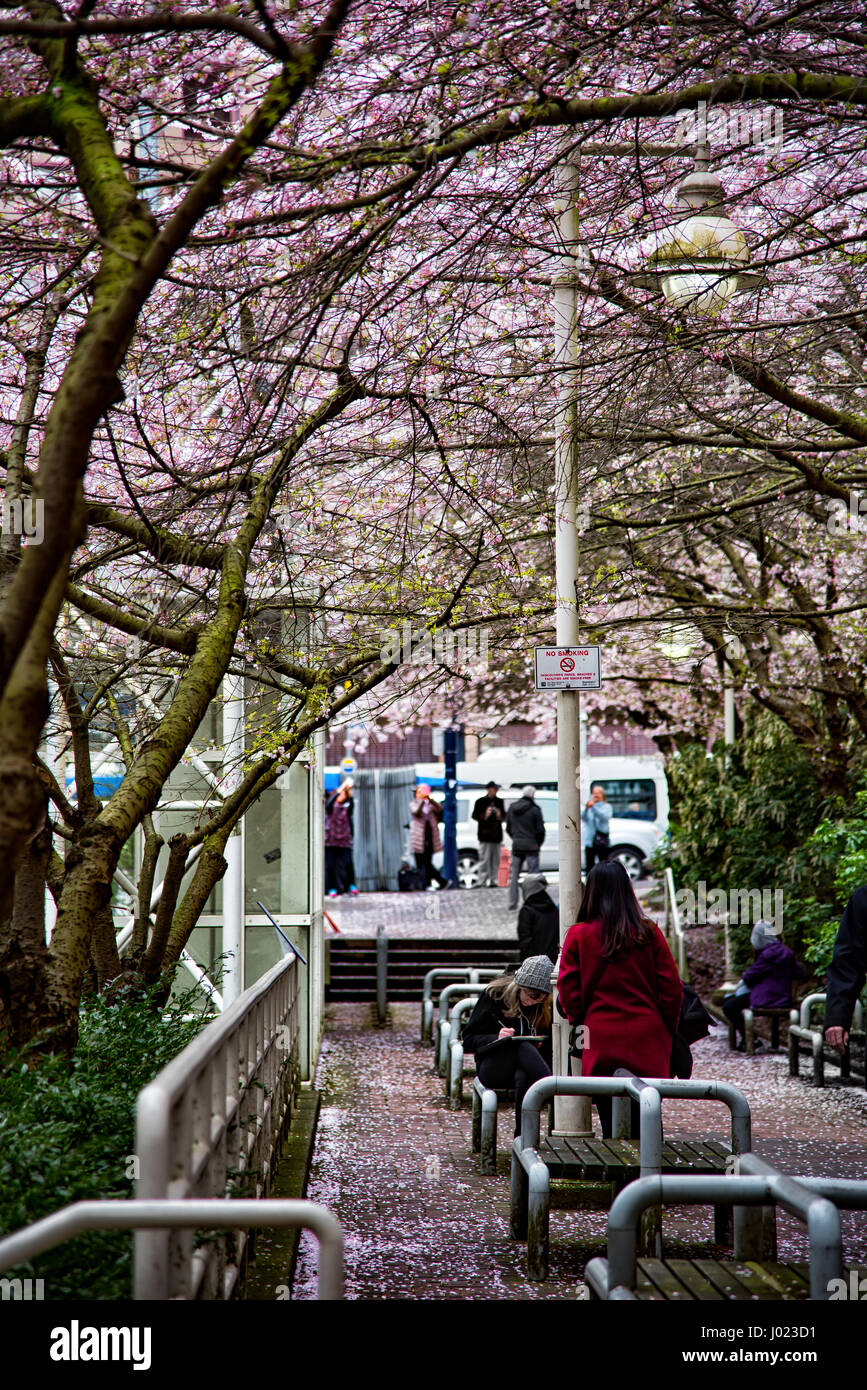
(276, 296)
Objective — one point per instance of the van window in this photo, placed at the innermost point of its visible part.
(631, 798)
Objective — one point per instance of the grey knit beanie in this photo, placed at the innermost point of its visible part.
(535, 973)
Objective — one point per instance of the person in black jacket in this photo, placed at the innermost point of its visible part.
(527, 832)
(489, 813)
(847, 971)
(513, 1006)
(538, 920)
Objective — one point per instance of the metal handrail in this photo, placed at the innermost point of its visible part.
(213, 1214)
(672, 916)
(215, 1113)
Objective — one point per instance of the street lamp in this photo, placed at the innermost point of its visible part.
(702, 261)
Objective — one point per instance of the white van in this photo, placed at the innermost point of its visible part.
(636, 788)
(632, 841)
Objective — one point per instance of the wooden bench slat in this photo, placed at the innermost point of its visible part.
(716, 1146)
(552, 1156)
(645, 1289)
(751, 1274)
(705, 1156)
(660, 1274)
(792, 1281)
(722, 1279)
(676, 1157)
(702, 1290)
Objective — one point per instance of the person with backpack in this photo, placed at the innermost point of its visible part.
(619, 980)
(538, 920)
(526, 830)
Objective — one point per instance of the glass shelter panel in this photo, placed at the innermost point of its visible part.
(278, 846)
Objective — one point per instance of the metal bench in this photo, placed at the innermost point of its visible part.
(616, 1161)
(484, 1128)
(750, 1015)
(801, 1031)
(486, 1102)
(755, 1273)
(457, 974)
(448, 997)
(458, 1015)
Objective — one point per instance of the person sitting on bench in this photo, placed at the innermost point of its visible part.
(511, 1008)
(768, 980)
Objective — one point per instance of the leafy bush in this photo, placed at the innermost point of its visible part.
(750, 816)
(67, 1135)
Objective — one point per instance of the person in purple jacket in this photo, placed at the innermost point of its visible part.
(767, 983)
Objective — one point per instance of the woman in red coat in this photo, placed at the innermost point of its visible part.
(618, 978)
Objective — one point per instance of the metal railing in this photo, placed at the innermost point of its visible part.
(673, 926)
(214, 1214)
(471, 974)
(801, 1030)
(209, 1125)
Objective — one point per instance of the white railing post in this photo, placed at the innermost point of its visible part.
(233, 879)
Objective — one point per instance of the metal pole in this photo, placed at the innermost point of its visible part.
(450, 806)
(571, 1114)
(233, 880)
(381, 973)
(729, 715)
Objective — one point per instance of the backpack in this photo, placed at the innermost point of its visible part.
(409, 880)
(695, 1020)
(694, 1023)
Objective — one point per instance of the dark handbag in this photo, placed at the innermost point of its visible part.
(694, 1023)
(409, 880)
(601, 840)
(694, 1020)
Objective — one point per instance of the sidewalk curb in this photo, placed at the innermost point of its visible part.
(273, 1266)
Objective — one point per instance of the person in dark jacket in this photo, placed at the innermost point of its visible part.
(489, 813)
(768, 979)
(512, 1007)
(538, 920)
(527, 832)
(847, 971)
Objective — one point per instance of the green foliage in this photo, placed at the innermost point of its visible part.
(751, 817)
(67, 1135)
(837, 852)
(737, 813)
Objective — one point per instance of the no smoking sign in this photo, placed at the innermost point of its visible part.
(567, 668)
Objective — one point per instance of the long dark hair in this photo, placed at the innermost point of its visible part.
(609, 898)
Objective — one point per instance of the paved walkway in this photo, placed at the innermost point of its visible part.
(466, 912)
(394, 1163)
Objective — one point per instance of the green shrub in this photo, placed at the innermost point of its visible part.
(750, 816)
(67, 1135)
